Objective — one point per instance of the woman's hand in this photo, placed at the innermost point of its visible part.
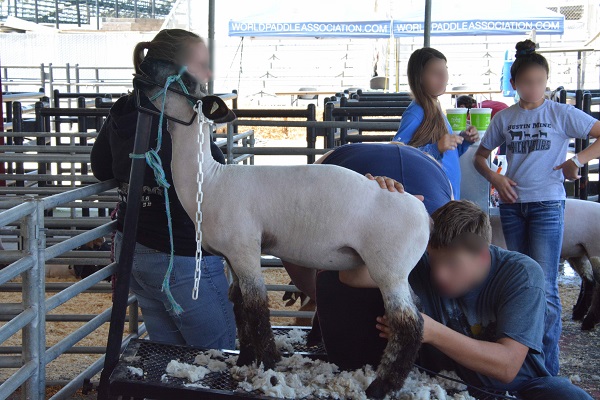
(391, 184)
(505, 188)
(386, 331)
(570, 170)
(387, 183)
(449, 142)
(470, 134)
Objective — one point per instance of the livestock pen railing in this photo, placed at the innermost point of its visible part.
(583, 100)
(71, 77)
(78, 231)
(30, 315)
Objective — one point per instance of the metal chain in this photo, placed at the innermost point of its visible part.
(202, 120)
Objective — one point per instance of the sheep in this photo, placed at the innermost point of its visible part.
(581, 248)
(316, 216)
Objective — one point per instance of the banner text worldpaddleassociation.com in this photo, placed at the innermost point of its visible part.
(399, 28)
(310, 27)
(471, 26)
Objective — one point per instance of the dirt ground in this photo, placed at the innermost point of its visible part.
(580, 351)
(580, 357)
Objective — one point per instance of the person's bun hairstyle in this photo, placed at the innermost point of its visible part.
(525, 48)
(526, 56)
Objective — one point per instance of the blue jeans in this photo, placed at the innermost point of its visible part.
(207, 322)
(536, 229)
(551, 388)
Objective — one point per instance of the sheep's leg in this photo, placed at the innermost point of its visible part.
(593, 316)
(406, 324)
(582, 266)
(584, 300)
(253, 310)
(247, 353)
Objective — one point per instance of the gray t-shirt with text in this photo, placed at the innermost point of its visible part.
(536, 142)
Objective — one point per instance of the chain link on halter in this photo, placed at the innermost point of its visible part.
(199, 197)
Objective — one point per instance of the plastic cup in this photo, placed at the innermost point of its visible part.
(480, 118)
(457, 118)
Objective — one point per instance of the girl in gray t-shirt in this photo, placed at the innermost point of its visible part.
(537, 133)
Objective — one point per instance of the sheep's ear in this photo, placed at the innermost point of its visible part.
(214, 108)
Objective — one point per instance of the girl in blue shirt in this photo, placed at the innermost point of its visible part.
(423, 124)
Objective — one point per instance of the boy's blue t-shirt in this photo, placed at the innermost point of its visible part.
(411, 120)
(419, 173)
(510, 303)
(536, 142)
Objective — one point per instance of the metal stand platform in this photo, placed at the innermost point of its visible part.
(153, 357)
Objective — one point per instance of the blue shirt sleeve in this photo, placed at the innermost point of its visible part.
(411, 120)
(463, 147)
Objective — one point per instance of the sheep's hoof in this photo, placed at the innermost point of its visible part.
(578, 313)
(269, 361)
(246, 357)
(577, 316)
(378, 389)
(589, 323)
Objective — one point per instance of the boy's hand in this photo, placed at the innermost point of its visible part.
(505, 189)
(570, 170)
(470, 134)
(386, 331)
(382, 326)
(449, 142)
(387, 183)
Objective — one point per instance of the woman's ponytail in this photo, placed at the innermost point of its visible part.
(138, 55)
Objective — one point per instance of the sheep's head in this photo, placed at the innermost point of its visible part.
(178, 104)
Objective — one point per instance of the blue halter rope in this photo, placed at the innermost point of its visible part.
(153, 160)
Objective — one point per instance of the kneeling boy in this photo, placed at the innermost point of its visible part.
(483, 309)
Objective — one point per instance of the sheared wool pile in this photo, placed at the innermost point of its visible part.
(135, 371)
(298, 377)
(192, 373)
(293, 337)
(204, 363)
(301, 377)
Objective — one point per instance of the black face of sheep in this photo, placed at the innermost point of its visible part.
(185, 90)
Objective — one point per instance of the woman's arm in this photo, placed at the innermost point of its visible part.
(570, 169)
(470, 136)
(481, 165)
(504, 185)
(101, 156)
(408, 126)
(463, 147)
